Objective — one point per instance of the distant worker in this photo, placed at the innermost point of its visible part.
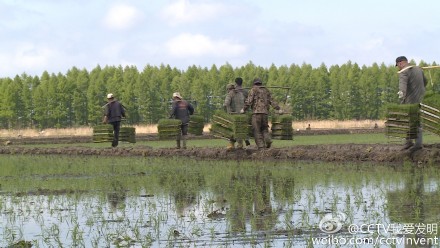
(113, 113)
(239, 88)
(229, 103)
(412, 83)
(181, 110)
(260, 99)
(234, 102)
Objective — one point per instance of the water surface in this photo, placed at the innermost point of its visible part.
(157, 202)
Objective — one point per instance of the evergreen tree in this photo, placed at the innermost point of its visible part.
(128, 97)
(80, 78)
(77, 98)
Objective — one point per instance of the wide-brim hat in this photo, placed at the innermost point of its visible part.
(177, 94)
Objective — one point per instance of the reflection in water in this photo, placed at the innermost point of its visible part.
(168, 202)
(413, 206)
(117, 195)
(248, 196)
(184, 186)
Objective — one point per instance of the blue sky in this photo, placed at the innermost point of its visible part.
(55, 35)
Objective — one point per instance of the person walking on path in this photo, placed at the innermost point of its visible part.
(412, 84)
(181, 110)
(260, 99)
(113, 114)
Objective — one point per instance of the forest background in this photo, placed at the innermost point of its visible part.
(74, 99)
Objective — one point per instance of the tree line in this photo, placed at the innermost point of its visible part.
(76, 98)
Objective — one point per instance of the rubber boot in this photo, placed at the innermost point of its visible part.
(268, 144)
(419, 140)
(231, 145)
(260, 143)
(407, 144)
(240, 144)
(184, 141)
(177, 144)
(267, 139)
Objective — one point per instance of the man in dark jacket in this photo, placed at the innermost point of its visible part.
(181, 110)
(114, 111)
(260, 99)
(412, 83)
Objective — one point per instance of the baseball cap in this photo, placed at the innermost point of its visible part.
(400, 59)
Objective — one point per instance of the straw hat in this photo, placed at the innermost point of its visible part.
(177, 94)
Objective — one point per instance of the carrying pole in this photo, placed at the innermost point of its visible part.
(278, 87)
(430, 67)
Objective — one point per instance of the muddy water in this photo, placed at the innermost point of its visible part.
(54, 201)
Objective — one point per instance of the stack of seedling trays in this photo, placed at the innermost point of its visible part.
(127, 134)
(282, 127)
(430, 113)
(104, 133)
(196, 124)
(169, 129)
(402, 120)
(230, 126)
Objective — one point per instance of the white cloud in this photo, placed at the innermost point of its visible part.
(372, 44)
(111, 51)
(182, 11)
(30, 56)
(197, 45)
(121, 16)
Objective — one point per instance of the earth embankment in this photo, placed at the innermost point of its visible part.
(375, 153)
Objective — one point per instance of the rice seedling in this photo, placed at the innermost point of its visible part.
(169, 129)
(87, 201)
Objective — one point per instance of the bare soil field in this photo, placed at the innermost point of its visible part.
(375, 153)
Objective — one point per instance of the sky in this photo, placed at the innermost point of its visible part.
(56, 35)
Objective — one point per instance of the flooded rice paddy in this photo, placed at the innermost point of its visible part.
(73, 201)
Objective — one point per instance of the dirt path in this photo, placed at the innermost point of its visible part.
(151, 137)
(377, 153)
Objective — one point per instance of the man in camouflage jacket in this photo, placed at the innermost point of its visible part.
(260, 99)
